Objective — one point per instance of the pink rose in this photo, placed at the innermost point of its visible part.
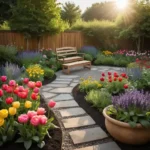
(12, 82)
(35, 120)
(31, 114)
(51, 103)
(43, 119)
(23, 118)
(36, 90)
(41, 111)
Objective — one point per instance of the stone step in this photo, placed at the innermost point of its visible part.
(63, 79)
(47, 95)
(70, 112)
(104, 146)
(62, 90)
(74, 84)
(78, 122)
(63, 97)
(68, 76)
(57, 85)
(60, 82)
(87, 135)
(65, 104)
(46, 89)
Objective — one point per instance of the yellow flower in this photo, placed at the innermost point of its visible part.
(28, 104)
(1, 121)
(16, 104)
(3, 113)
(12, 111)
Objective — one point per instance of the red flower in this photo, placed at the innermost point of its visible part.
(31, 84)
(102, 79)
(16, 90)
(38, 84)
(23, 95)
(109, 73)
(9, 89)
(3, 78)
(110, 80)
(1, 93)
(4, 87)
(110, 77)
(9, 100)
(126, 86)
(25, 80)
(34, 96)
(123, 75)
(36, 90)
(12, 83)
(20, 88)
(116, 74)
(103, 74)
(51, 103)
(115, 79)
(119, 79)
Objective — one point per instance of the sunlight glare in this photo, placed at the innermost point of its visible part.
(122, 4)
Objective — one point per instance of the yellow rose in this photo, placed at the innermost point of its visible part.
(28, 104)
(12, 111)
(3, 113)
(16, 104)
(1, 121)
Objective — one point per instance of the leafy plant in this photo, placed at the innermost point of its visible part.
(99, 99)
(48, 73)
(131, 107)
(88, 57)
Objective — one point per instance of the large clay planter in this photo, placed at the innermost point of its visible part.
(124, 133)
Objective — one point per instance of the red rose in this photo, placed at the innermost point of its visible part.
(4, 87)
(34, 96)
(109, 73)
(23, 95)
(110, 80)
(51, 103)
(9, 100)
(38, 84)
(102, 79)
(126, 86)
(1, 93)
(25, 80)
(3, 78)
(119, 79)
(103, 74)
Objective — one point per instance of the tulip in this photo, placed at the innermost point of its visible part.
(3, 113)
(115, 79)
(12, 111)
(31, 114)
(119, 79)
(3, 78)
(9, 100)
(38, 84)
(20, 88)
(110, 80)
(16, 90)
(1, 93)
(23, 118)
(103, 74)
(41, 111)
(16, 104)
(126, 86)
(2, 121)
(25, 80)
(109, 73)
(4, 87)
(28, 104)
(22, 95)
(35, 121)
(42, 119)
(102, 79)
(12, 83)
(51, 103)
(34, 96)
(36, 90)
(9, 89)
(31, 84)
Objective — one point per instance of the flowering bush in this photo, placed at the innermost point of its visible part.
(107, 53)
(35, 72)
(131, 107)
(115, 83)
(20, 113)
(89, 84)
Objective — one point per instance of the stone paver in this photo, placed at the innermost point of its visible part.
(74, 84)
(63, 97)
(62, 79)
(78, 122)
(87, 135)
(56, 85)
(47, 95)
(68, 76)
(94, 69)
(65, 104)
(60, 82)
(76, 81)
(62, 90)
(44, 89)
(104, 146)
(70, 112)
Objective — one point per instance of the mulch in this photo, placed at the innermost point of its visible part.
(100, 120)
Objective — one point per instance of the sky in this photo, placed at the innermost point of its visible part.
(83, 3)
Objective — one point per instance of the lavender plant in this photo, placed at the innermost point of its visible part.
(132, 107)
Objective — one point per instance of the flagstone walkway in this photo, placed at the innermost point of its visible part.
(81, 130)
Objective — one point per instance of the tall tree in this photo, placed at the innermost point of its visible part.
(70, 13)
(101, 11)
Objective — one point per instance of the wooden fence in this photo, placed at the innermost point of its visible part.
(75, 39)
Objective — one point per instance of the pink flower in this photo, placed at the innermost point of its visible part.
(9, 89)
(22, 95)
(12, 82)
(31, 84)
(31, 114)
(23, 118)
(1, 92)
(42, 119)
(20, 89)
(36, 90)
(51, 103)
(4, 87)
(35, 120)
(25, 80)
(3, 78)
(41, 111)
(103, 74)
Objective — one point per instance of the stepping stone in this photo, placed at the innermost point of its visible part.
(63, 97)
(104, 146)
(47, 95)
(87, 135)
(72, 112)
(62, 90)
(74, 84)
(94, 69)
(68, 76)
(65, 104)
(60, 82)
(46, 89)
(57, 85)
(76, 81)
(78, 122)
(61, 79)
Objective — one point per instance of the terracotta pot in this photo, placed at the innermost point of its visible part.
(124, 133)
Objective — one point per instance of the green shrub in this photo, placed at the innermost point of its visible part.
(99, 99)
(108, 61)
(48, 73)
(88, 57)
(133, 65)
(121, 63)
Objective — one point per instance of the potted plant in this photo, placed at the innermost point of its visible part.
(128, 119)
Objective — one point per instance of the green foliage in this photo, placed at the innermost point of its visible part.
(5, 26)
(36, 17)
(133, 65)
(99, 99)
(70, 13)
(121, 63)
(89, 84)
(100, 11)
(88, 57)
(48, 73)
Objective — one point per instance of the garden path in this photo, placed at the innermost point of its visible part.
(80, 131)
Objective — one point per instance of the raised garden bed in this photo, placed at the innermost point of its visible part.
(47, 81)
(100, 120)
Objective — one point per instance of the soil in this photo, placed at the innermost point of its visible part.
(100, 120)
(54, 143)
(47, 81)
